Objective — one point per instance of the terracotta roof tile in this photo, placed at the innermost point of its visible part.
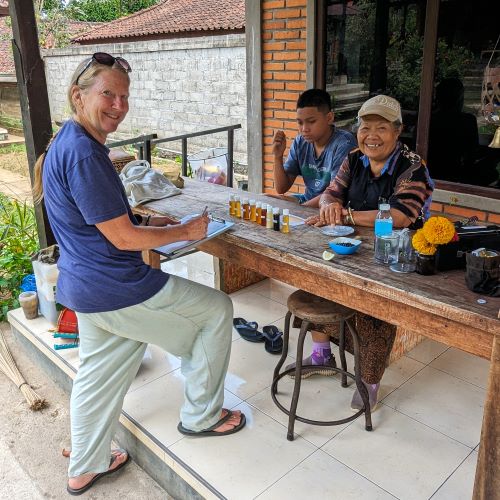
(173, 16)
(4, 7)
(6, 58)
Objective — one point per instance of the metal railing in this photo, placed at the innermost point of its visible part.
(144, 144)
(230, 146)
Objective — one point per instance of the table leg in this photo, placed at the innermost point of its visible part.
(152, 258)
(230, 278)
(487, 483)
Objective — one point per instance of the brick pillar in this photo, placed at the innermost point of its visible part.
(283, 75)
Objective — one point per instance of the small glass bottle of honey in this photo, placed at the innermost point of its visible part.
(246, 209)
(263, 214)
(258, 212)
(237, 207)
(231, 204)
(253, 210)
(285, 221)
(269, 217)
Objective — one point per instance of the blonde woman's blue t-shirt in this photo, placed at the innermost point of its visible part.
(318, 171)
(82, 189)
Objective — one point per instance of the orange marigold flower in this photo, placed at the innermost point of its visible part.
(421, 245)
(439, 230)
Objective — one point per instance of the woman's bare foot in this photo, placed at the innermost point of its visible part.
(233, 421)
(78, 482)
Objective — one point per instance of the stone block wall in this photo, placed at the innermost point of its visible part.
(9, 100)
(177, 86)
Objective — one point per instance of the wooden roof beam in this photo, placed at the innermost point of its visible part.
(34, 98)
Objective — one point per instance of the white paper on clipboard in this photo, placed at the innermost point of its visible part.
(174, 250)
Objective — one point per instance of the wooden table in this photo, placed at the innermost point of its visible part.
(439, 307)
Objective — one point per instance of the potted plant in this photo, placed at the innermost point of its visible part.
(436, 231)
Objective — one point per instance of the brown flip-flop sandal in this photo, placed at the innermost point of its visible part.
(83, 489)
(211, 430)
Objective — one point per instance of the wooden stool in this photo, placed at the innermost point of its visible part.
(315, 310)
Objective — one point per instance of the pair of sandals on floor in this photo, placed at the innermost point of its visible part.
(271, 335)
(210, 431)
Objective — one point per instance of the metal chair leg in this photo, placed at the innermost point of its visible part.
(286, 338)
(298, 379)
(343, 361)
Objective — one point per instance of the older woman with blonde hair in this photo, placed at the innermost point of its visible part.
(122, 303)
(380, 169)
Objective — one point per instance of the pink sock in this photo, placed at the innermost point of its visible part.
(321, 352)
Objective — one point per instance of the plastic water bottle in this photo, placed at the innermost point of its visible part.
(383, 221)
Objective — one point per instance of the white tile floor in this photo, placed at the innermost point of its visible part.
(426, 430)
(425, 436)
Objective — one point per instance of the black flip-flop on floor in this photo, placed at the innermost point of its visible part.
(248, 330)
(211, 430)
(273, 337)
(83, 489)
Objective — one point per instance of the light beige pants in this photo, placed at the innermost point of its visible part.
(184, 318)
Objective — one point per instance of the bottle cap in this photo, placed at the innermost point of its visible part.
(236, 198)
(286, 211)
(258, 204)
(276, 210)
(384, 206)
(252, 202)
(231, 197)
(245, 201)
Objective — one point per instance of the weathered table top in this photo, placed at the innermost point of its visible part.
(438, 306)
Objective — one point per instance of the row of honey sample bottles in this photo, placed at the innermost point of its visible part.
(260, 213)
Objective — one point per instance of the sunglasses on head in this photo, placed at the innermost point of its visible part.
(107, 60)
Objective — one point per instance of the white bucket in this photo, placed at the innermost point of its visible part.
(46, 282)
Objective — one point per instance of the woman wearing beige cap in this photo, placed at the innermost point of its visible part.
(382, 168)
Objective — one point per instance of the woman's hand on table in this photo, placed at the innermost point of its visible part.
(332, 214)
(197, 227)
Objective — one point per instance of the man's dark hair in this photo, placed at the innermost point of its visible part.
(315, 98)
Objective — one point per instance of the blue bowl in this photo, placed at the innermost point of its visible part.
(344, 246)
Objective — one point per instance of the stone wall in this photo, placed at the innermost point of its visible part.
(9, 100)
(177, 86)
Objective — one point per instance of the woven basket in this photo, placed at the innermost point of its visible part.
(119, 157)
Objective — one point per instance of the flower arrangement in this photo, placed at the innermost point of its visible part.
(436, 231)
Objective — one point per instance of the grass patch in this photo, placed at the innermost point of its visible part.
(9, 122)
(13, 148)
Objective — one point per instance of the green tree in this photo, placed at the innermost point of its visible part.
(105, 10)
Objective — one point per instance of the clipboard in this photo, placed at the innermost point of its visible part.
(216, 226)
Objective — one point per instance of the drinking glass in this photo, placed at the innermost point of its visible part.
(387, 248)
(407, 255)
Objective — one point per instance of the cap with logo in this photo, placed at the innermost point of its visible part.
(382, 105)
